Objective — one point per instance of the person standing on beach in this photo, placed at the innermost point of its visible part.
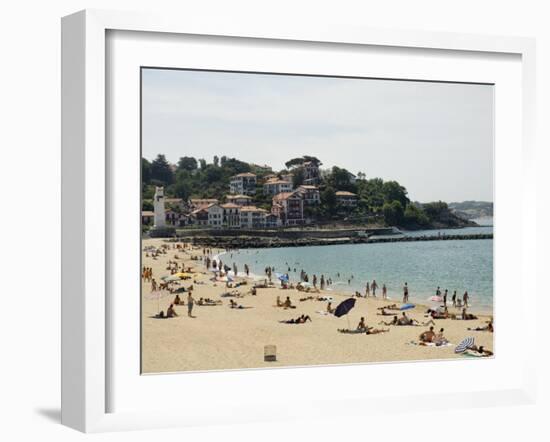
(374, 286)
(405, 293)
(384, 291)
(315, 281)
(322, 282)
(246, 269)
(465, 299)
(445, 297)
(454, 298)
(190, 302)
(367, 290)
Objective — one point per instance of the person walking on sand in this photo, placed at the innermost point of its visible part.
(153, 285)
(374, 286)
(367, 290)
(405, 293)
(445, 297)
(465, 299)
(190, 303)
(454, 298)
(384, 291)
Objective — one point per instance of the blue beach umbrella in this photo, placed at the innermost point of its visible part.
(465, 345)
(344, 307)
(283, 278)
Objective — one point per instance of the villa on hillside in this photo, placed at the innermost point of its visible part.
(243, 184)
(310, 194)
(253, 217)
(311, 173)
(346, 199)
(199, 203)
(276, 185)
(240, 200)
(289, 208)
(147, 217)
(231, 215)
(200, 216)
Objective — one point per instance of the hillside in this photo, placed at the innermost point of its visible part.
(472, 209)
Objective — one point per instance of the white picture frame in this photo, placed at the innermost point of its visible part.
(86, 316)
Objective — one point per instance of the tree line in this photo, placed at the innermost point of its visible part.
(378, 200)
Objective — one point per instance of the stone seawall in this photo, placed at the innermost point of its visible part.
(246, 242)
(285, 233)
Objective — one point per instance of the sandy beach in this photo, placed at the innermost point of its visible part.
(219, 337)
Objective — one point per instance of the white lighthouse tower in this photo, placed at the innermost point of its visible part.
(158, 203)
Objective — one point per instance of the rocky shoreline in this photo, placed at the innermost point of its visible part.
(253, 242)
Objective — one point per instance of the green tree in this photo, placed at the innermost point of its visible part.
(145, 171)
(187, 163)
(147, 205)
(328, 200)
(415, 216)
(393, 191)
(298, 177)
(161, 170)
(300, 160)
(393, 213)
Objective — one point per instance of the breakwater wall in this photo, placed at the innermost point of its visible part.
(247, 242)
(284, 233)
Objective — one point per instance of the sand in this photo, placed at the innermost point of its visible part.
(219, 337)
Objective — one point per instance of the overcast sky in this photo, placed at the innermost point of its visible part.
(436, 139)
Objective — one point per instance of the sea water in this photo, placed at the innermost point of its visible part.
(461, 265)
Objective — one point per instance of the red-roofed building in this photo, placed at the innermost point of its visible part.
(346, 199)
(243, 184)
(289, 208)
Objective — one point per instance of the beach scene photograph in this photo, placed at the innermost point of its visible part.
(300, 221)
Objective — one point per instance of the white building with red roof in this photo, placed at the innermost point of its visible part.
(289, 208)
(243, 184)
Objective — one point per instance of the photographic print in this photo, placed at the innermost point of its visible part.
(297, 220)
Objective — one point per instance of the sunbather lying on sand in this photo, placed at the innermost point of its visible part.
(367, 331)
(404, 320)
(466, 316)
(300, 320)
(384, 312)
(233, 304)
(375, 331)
(389, 307)
(489, 327)
(330, 309)
(438, 314)
(208, 301)
(232, 294)
(479, 351)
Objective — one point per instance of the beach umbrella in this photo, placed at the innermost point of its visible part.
(465, 345)
(283, 278)
(157, 294)
(344, 308)
(168, 278)
(406, 307)
(183, 275)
